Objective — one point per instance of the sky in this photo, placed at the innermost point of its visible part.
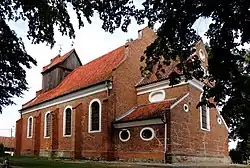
(91, 42)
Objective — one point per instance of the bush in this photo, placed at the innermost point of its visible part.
(2, 150)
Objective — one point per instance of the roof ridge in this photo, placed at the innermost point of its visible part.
(103, 55)
(64, 56)
(113, 58)
(81, 67)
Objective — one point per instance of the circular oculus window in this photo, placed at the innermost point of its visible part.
(219, 120)
(185, 107)
(157, 96)
(124, 135)
(147, 134)
(202, 55)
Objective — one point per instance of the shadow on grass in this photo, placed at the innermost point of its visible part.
(33, 162)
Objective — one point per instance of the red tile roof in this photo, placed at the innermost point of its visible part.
(91, 73)
(153, 78)
(152, 110)
(57, 60)
(8, 142)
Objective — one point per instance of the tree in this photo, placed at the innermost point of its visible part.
(229, 31)
(228, 61)
(43, 17)
(2, 150)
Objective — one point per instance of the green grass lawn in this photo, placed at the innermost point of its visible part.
(30, 162)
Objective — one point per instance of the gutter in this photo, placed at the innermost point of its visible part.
(101, 82)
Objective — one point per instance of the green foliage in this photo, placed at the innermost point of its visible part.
(2, 151)
(228, 62)
(43, 18)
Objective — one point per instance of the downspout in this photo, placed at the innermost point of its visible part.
(165, 143)
(165, 136)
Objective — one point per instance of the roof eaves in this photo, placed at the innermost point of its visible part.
(103, 81)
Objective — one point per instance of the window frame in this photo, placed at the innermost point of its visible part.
(147, 128)
(155, 92)
(124, 140)
(202, 55)
(207, 117)
(90, 116)
(64, 121)
(45, 123)
(28, 127)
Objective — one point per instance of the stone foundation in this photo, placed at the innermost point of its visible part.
(182, 158)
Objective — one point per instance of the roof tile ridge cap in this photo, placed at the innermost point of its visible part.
(76, 70)
(66, 55)
(122, 61)
(140, 81)
(54, 58)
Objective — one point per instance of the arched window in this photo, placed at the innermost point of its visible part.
(30, 127)
(47, 125)
(95, 116)
(204, 117)
(67, 121)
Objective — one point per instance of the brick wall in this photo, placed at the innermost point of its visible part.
(187, 140)
(136, 149)
(92, 144)
(172, 92)
(19, 125)
(128, 74)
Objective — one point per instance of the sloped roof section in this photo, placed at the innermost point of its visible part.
(152, 110)
(153, 77)
(57, 60)
(8, 142)
(86, 75)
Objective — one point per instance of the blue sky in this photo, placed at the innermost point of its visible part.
(91, 42)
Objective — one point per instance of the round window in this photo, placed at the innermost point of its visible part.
(147, 134)
(202, 55)
(124, 135)
(185, 107)
(219, 120)
(157, 96)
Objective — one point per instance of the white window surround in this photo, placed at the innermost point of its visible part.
(124, 140)
(202, 55)
(185, 107)
(45, 124)
(64, 121)
(147, 128)
(90, 114)
(219, 120)
(208, 117)
(32, 120)
(161, 96)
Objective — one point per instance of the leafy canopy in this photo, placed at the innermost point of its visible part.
(43, 17)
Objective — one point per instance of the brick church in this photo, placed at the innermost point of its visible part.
(105, 110)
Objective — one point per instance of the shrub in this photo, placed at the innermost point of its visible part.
(1, 150)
